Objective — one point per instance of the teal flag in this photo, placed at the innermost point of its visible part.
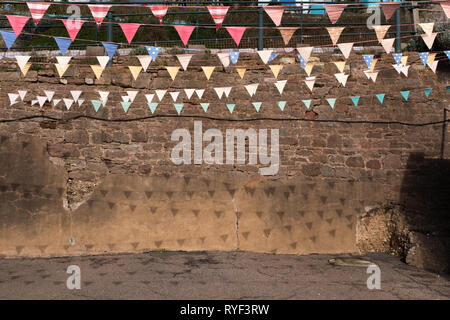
(405, 94)
(205, 106)
(331, 102)
(97, 104)
(307, 103)
(230, 107)
(355, 100)
(380, 97)
(125, 105)
(257, 105)
(152, 107)
(178, 107)
(427, 92)
(281, 105)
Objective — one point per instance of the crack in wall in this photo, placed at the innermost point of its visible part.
(237, 223)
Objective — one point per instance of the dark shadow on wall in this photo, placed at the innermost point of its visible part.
(425, 195)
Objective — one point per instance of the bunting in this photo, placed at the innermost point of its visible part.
(99, 12)
(287, 33)
(381, 31)
(241, 71)
(63, 44)
(110, 49)
(208, 71)
(159, 12)
(184, 60)
(275, 69)
(135, 70)
(334, 11)
(37, 10)
(184, 32)
(204, 106)
(345, 48)
(173, 71)
(335, 33)
(17, 23)
(429, 39)
(218, 14)
(281, 105)
(389, 9)
(446, 7)
(234, 56)
(73, 27)
(8, 37)
(275, 13)
(129, 29)
(224, 58)
(309, 81)
(145, 62)
(265, 55)
(427, 27)
(236, 33)
(387, 44)
(305, 53)
(153, 51)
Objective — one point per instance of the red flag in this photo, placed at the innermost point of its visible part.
(236, 33)
(334, 11)
(73, 26)
(17, 23)
(159, 12)
(37, 10)
(218, 14)
(389, 9)
(275, 13)
(99, 12)
(129, 29)
(184, 32)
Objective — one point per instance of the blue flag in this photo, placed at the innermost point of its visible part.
(272, 57)
(153, 51)
(427, 92)
(97, 104)
(447, 53)
(63, 44)
(424, 57)
(368, 59)
(205, 106)
(405, 94)
(234, 56)
(8, 37)
(110, 49)
(380, 97)
(302, 61)
(178, 107)
(257, 105)
(152, 107)
(355, 100)
(230, 107)
(397, 57)
(281, 105)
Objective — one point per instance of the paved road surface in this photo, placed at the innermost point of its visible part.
(214, 275)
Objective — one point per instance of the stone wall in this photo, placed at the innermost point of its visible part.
(89, 186)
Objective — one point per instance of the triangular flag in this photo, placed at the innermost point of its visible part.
(160, 94)
(424, 57)
(372, 65)
(208, 71)
(12, 98)
(8, 37)
(174, 95)
(433, 65)
(145, 61)
(41, 100)
(241, 71)
(389, 9)
(189, 93)
(272, 57)
(99, 12)
(126, 98)
(257, 105)
(405, 94)
(129, 29)
(234, 56)
(427, 92)
(431, 58)
(340, 65)
(135, 70)
(341, 78)
(159, 12)
(287, 33)
(33, 102)
(22, 61)
(56, 101)
(345, 48)
(153, 51)
(368, 59)
(72, 27)
(334, 11)
(26, 68)
(403, 60)
(446, 7)
(205, 106)
(397, 57)
(184, 32)
(230, 107)
(373, 75)
(404, 70)
(63, 61)
(60, 69)
(80, 102)
(103, 61)
(305, 52)
(224, 58)
(132, 94)
(152, 106)
(335, 33)
(63, 44)
(281, 105)
(275, 13)
(429, 39)
(125, 105)
(17, 23)
(355, 100)
(280, 85)
(219, 92)
(178, 107)
(265, 55)
(37, 10)
(184, 60)
(276, 69)
(310, 82)
(427, 27)
(380, 97)
(96, 104)
(76, 94)
(308, 68)
(236, 33)
(331, 102)
(387, 44)
(103, 96)
(149, 97)
(397, 67)
(22, 94)
(251, 88)
(381, 31)
(218, 14)
(227, 91)
(199, 92)
(68, 103)
(49, 94)
(110, 49)
(307, 103)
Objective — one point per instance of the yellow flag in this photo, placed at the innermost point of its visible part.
(276, 69)
(372, 65)
(431, 58)
(208, 71)
(173, 71)
(25, 68)
(340, 65)
(403, 60)
(60, 70)
(241, 71)
(308, 68)
(135, 70)
(97, 70)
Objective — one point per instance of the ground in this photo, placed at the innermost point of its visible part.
(215, 275)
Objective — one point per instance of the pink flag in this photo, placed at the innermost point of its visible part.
(286, 33)
(17, 23)
(334, 11)
(159, 12)
(99, 12)
(129, 29)
(236, 33)
(335, 33)
(37, 10)
(275, 13)
(389, 9)
(446, 7)
(184, 32)
(218, 14)
(73, 26)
